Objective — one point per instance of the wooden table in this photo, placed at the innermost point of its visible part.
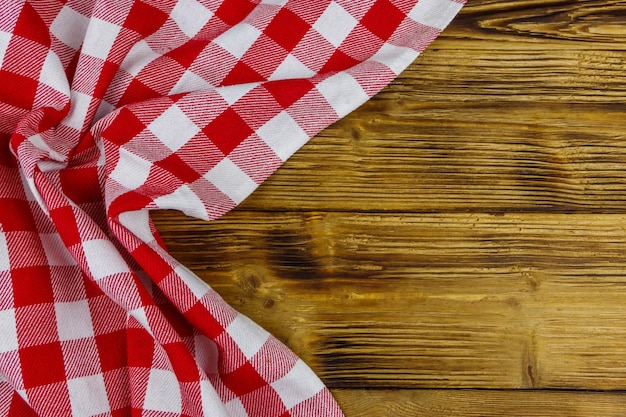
(457, 246)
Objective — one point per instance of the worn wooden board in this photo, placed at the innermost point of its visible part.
(431, 301)
(464, 229)
(472, 403)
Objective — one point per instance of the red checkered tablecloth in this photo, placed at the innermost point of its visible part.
(110, 109)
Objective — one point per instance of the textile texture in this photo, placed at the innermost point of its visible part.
(110, 109)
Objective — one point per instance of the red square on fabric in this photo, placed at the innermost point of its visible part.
(136, 92)
(227, 130)
(124, 128)
(31, 286)
(140, 348)
(15, 215)
(339, 61)
(124, 412)
(154, 265)
(129, 201)
(42, 364)
(104, 79)
(31, 26)
(188, 52)
(233, 11)
(81, 185)
(204, 321)
(382, 19)
(175, 319)
(144, 19)
(244, 380)
(112, 350)
(17, 90)
(287, 29)
(287, 92)
(242, 74)
(18, 407)
(179, 168)
(65, 223)
(183, 363)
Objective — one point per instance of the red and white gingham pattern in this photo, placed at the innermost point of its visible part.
(111, 109)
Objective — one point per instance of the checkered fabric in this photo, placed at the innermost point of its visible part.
(110, 109)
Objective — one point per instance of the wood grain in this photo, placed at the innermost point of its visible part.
(431, 301)
(472, 403)
(416, 157)
(456, 246)
(517, 106)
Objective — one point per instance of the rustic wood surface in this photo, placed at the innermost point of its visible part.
(457, 246)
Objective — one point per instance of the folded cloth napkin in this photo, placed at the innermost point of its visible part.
(110, 109)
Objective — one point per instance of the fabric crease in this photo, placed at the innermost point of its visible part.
(111, 109)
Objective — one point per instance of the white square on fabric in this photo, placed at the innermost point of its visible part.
(190, 16)
(99, 38)
(231, 180)
(79, 106)
(53, 74)
(291, 67)
(396, 58)
(140, 315)
(248, 336)
(39, 143)
(435, 13)
(103, 109)
(88, 396)
(8, 330)
(212, 404)
(335, 24)
(239, 39)
(173, 128)
(232, 93)
(206, 354)
(190, 82)
(56, 252)
(103, 259)
(283, 135)
(343, 93)
(70, 27)
(138, 223)
(163, 392)
(235, 408)
(131, 170)
(5, 264)
(195, 284)
(298, 385)
(5, 38)
(138, 57)
(183, 199)
(73, 320)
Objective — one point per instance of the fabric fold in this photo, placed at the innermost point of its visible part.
(109, 110)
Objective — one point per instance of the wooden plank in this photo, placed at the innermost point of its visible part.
(520, 300)
(414, 157)
(466, 403)
(569, 51)
(517, 106)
